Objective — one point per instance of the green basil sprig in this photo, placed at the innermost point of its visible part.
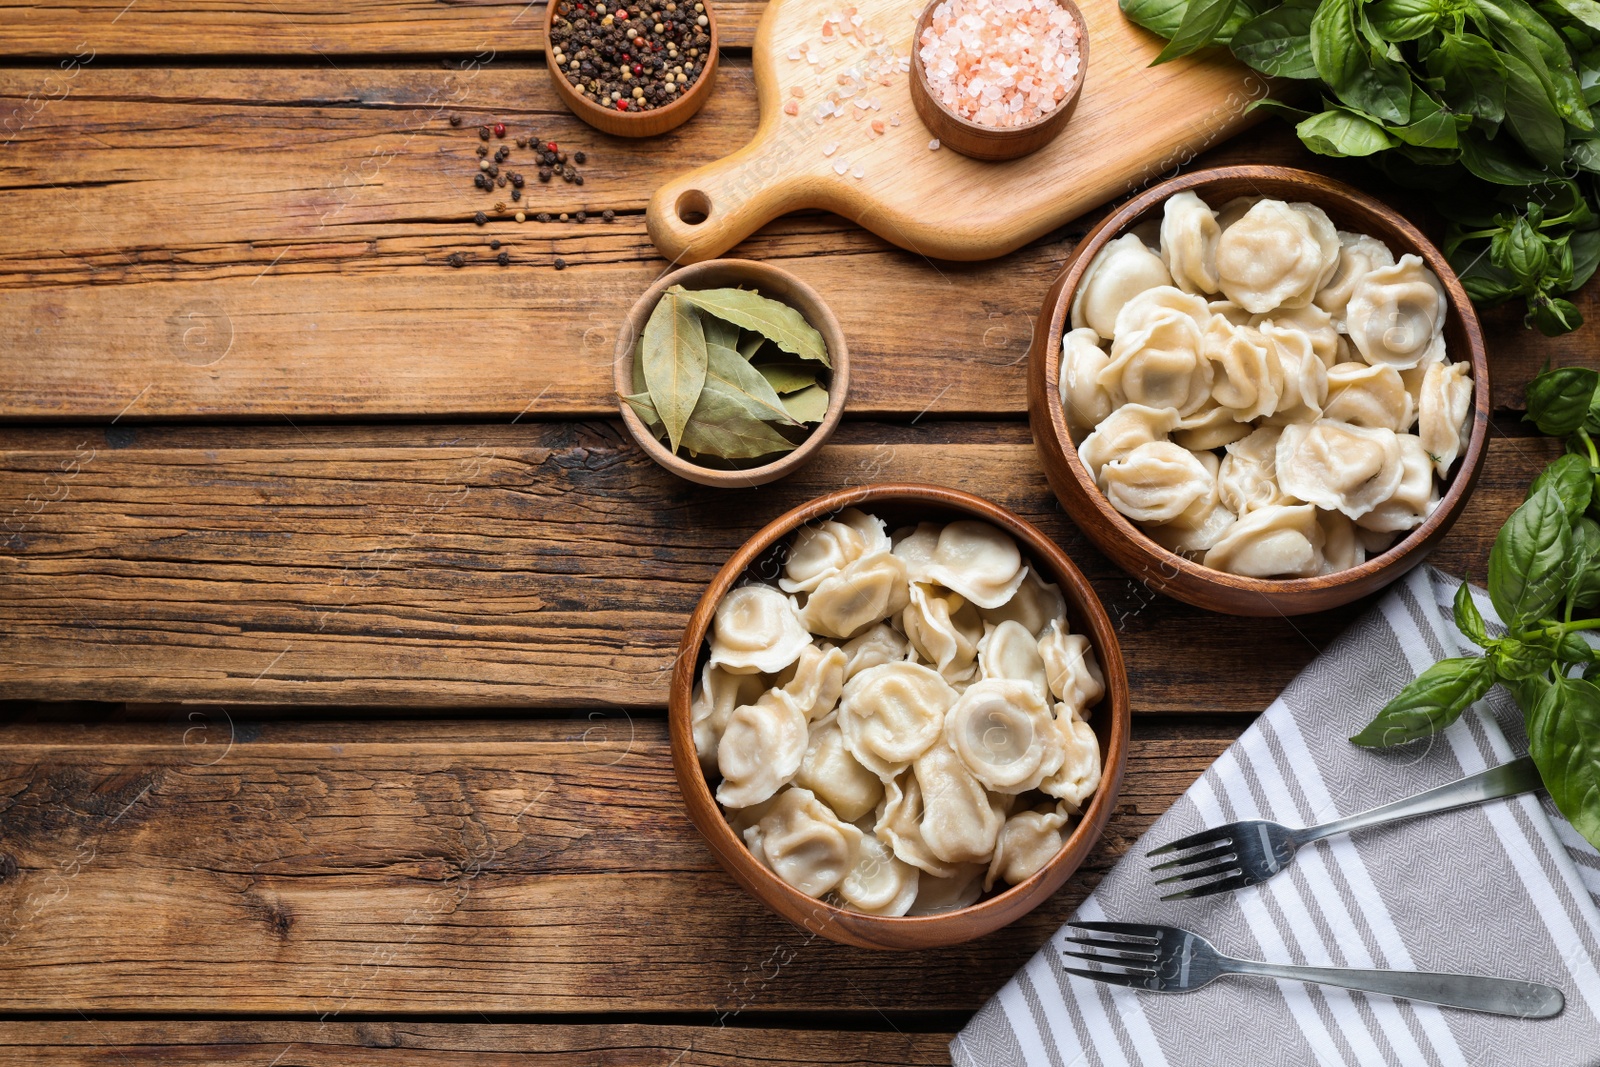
(1492, 106)
(1544, 581)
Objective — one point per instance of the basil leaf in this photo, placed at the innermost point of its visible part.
(1278, 41)
(1341, 132)
(1520, 32)
(1434, 700)
(1584, 590)
(1554, 316)
(1558, 399)
(1474, 78)
(1491, 162)
(1202, 20)
(1515, 659)
(1484, 282)
(1526, 577)
(1431, 126)
(1405, 20)
(1336, 50)
(1574, 649)
(1469, 620)
(1585, 11)
(1530, 116)
(1521, 250)
(674, 362)
(1585, 245)
(1573, 483)
(1564, 741)
(1158, 16)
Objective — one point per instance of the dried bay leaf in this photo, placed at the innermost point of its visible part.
(642, 407)
(720, 331)
(674, 362)
(808, 405)
(787, 377)
(777, 321)
(726, 369)
(719, 427)
(750, 344)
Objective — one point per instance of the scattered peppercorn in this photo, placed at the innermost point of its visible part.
(580, 157)
(577, 179)
(522, 142)
(561, 264)
(483, 133)
(544, 174)
(494, 244)
(504, 258)
(499, 129)
(500, 208)
(543, 216)
(480, 218)
(563, 216)
(455, 120)
(482, 151)
(521, 217)
(516, 179)
(581, 216)
(609, 215)
(457, 260)
(516, 194)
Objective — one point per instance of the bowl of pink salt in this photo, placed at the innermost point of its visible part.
(997, 79)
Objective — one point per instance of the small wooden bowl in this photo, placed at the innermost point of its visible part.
(634, 123)
(987, 142)
(771, 281)
(900, 505)
(1125, 543)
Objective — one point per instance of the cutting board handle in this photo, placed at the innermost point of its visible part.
(702, 214)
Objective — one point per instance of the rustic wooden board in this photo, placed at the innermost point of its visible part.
(462, 30)
(1132, 123)
(174, 241)
(102, 1042)
(530, 566)
(479, 866)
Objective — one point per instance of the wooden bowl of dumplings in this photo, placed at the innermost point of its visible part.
(931, 911)
(1260, 548)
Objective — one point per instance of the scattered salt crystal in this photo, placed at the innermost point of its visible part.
(933, 145)
(795, 54)
(858, 173)
(791, 108)
(877, 125)
(797, 91)
(840, 167)
(830, 148)
(894, 120)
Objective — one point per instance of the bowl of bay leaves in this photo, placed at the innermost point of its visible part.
(731, 373)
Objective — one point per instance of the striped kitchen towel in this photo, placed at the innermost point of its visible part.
(1506, 888)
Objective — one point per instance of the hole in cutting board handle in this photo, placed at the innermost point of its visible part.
(694, 207)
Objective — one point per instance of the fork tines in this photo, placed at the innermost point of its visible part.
(1218, 862)
(1133, 949)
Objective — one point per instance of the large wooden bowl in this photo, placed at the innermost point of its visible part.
(1119, 538)
(991, 143)
(635, 123)
(900, 505)
(774, 282)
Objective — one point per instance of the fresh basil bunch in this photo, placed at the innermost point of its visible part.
(1544, 581)
(1492, 106)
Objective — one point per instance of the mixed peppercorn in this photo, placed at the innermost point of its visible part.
(634, 57)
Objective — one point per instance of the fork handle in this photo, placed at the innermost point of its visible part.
(1498, 996)
(1506, 780)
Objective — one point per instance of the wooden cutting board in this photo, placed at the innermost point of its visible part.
(1134, 125)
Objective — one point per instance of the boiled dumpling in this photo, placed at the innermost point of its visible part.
(1201, 524)
(1396, 313)
(936, 896)
(1311, 321)
(1159, 364)
(1271, 258)
(715, 697)
(1235, 209)
(899, 825)
(1125, 430)
(1120, 271)
(1011, 651)
(1004, 734)
(1359, 255)
(756, 629)
(1364, 395)
(814, 680)
(1211, 427)
(1247, 373)
(915, 547)
(880, 883)
(1035, 603)
(1083, 398)
(1189, 235)
(1028, 841)
(944, 630)
(1231, 313)
(1079, 774)
(890, 714)
(1327, 237)
(818, 552)
(804, 843)
(979, 561)
(865, 591)
(1156, 482)
(761, 749)
(1276, 541)
(833, 774)
(881, 644)
(1414, 498)
(1305, 376)
(1339, 467)
(1248, 476)
(1071, 668)
(1138, 312)
(959, 822)
(1341, 548)
(1442, 420)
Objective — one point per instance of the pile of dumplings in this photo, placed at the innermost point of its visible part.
(1260, 391)
(901, 722)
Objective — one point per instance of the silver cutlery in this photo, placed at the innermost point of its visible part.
(1247, 853)
(1165, 959)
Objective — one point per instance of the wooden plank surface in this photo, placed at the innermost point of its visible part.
(102, 1042)
(460, 30)
(203, 862)
(176, 241)
(542, 565)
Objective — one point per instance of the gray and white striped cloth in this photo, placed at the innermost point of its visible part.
(1506, 888)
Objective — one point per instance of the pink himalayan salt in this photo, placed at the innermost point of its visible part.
(1000, 63)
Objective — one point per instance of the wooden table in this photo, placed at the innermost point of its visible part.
(336, 608)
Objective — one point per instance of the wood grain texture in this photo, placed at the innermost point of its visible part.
(210, 863)
(531, 565)
(106, 1042)
(176, 240)
(298, 27)
(1134, 121)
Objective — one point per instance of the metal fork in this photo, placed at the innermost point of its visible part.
(1247, 853)
(1165, 959)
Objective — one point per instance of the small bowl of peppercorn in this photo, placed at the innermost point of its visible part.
(634, 68)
